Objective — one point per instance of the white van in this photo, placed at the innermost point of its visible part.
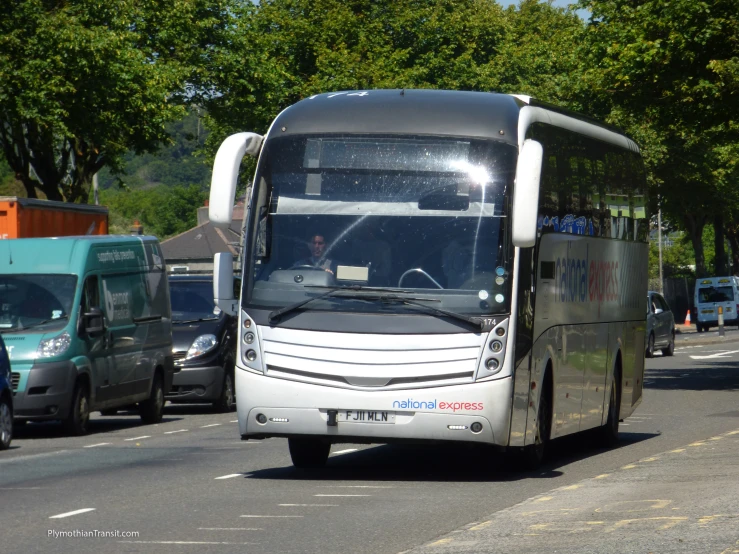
(712, 293)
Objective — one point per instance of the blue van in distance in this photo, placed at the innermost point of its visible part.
(87, 324)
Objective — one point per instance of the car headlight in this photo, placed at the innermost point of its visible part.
(202, 345)
(54, 346)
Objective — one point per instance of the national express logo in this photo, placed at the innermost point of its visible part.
(586, 280)
(410, 404)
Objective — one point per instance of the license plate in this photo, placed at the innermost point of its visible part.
(706, 311)
(366, 416)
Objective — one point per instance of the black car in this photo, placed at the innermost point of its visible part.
(203, 344)
(6, 399)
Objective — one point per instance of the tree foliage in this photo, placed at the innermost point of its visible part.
(83, 81)
(666, 70)
(282, 51)
(163, 211)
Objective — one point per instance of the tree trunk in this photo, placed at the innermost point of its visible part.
(721, 263)
(732, 234)
(694, 226)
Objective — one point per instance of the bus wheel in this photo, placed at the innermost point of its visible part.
(308, 453)
(533, 454)
(609, 432)
(650, 346)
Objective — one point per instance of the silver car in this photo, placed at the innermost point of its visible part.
(660, 326)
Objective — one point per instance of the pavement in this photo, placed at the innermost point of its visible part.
(688, 335)
(637, 508)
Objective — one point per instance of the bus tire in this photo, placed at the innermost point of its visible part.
(533, 454)
(650, 346)
(308, 453)
(609, 431)
(152, 408)
(78, 421)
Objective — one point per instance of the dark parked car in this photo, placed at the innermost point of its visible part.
(6, 399)
(660, 326)
(204, 344)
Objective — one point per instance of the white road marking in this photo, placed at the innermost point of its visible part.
(211, 425)
(138, 438)
(342, 495)
(270, 516)
(357, 487)
(67, 514)
(32, 456)
(230, 529)
(314, 505)
(234, 421)
(94, 445)
(230, 476)
(344, 451)
(172, 432)
(180, 542)
(20, 488)
(713, 356)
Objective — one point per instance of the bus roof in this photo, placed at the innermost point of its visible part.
(416, 112)
(468, 114)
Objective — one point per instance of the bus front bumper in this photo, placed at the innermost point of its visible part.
(475, 412)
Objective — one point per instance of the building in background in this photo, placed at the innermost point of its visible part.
(193, 250)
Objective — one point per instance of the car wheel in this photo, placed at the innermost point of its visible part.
(670, 350)
(533, 455)
(78, 421)
(227, 400)
(6, 424)
(608, 433)
(650, 346)
(151, 410)
(308, 453)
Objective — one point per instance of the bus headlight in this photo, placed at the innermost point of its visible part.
(54, 346)
(492, 359)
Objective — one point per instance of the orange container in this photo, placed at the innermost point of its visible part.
(29, 217)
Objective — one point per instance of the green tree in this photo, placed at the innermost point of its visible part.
(163, 211)
(82, 82)
(666, 70)
(282, 51)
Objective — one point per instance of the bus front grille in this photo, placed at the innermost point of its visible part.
(371, 361)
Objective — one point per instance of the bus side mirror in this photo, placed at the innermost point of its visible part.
(526, 194)
(223, 283)
(225, 175)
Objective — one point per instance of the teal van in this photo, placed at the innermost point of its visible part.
(87, 324)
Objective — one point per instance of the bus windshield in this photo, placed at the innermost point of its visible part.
(423, 217)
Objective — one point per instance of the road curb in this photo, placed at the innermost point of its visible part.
(703, 342)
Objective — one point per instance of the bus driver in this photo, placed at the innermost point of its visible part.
(318, 257)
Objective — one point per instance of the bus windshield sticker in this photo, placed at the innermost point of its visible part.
(499, 298)
(500, 271)
(499, 280)
(483, 294)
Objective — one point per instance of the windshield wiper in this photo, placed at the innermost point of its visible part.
(194, 320)
(357, 287)
(44, 322)
(411, 301)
